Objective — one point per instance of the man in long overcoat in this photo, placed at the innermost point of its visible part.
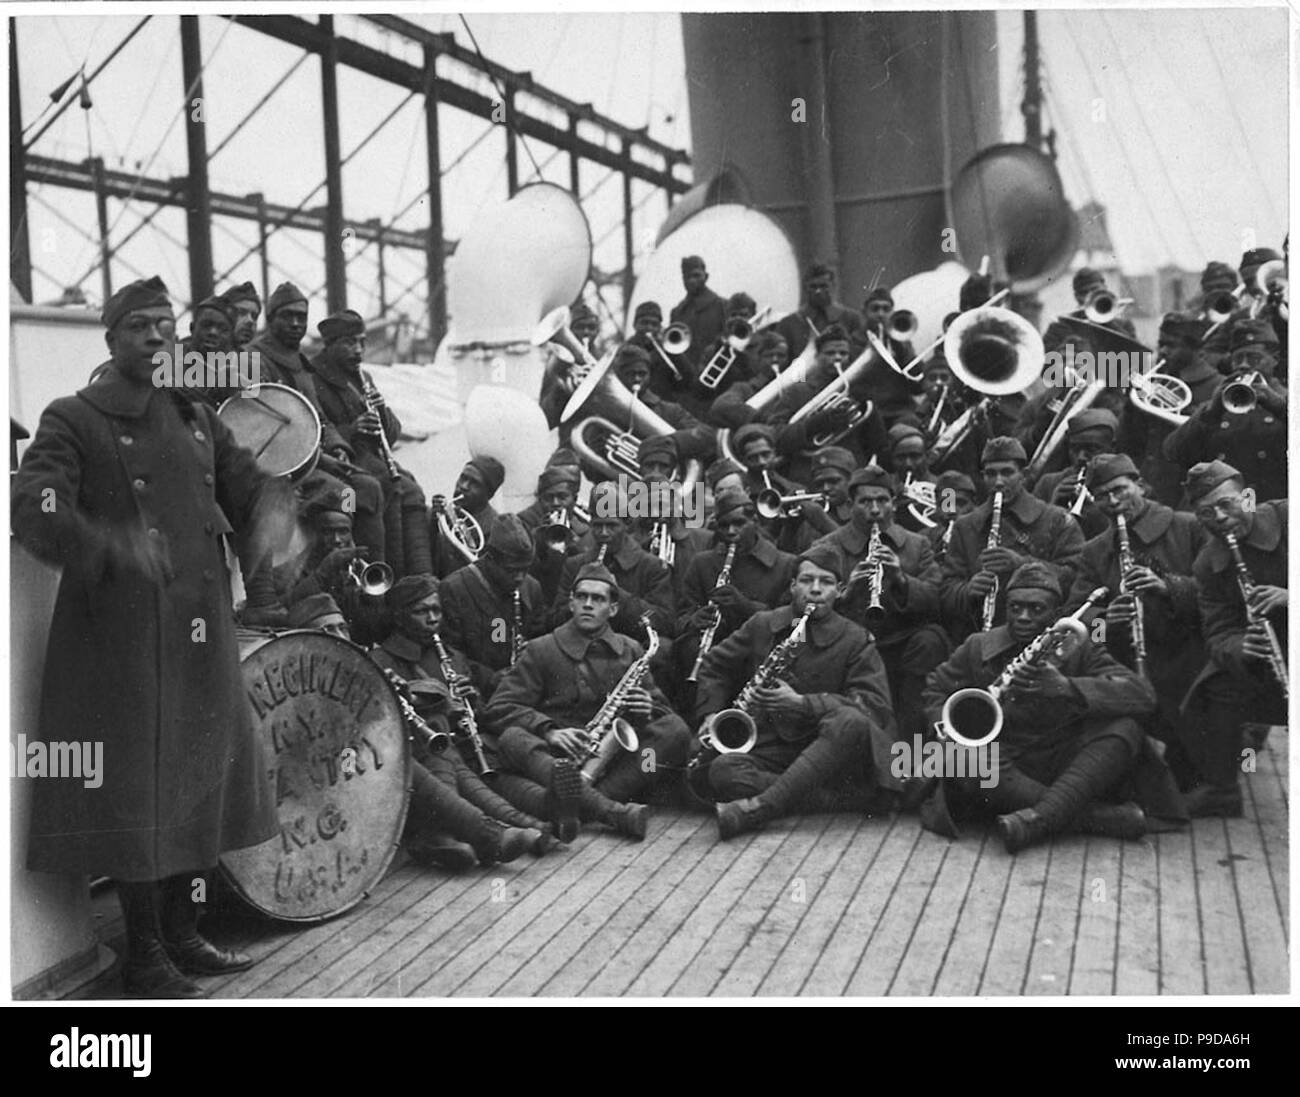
(130, 487)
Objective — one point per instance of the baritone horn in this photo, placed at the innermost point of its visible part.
(1161, 395)
(834, 395)
(461, 529)
(554, 329)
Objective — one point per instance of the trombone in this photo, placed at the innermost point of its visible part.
(1103, 307)
(739, 334)
(676, 340)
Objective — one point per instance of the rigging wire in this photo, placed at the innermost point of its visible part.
(259, 105)
(501, 96)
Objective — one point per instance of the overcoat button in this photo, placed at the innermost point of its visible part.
(198, 435)
(207, 478)
(207, 527)
(126, 440)
(154, 533)
(207, 574)
(138, 484)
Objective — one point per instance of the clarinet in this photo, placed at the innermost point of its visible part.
(468, 724)
(1276, 661)
(517, 633)
(374, 402)
(995, 539)
(437, 741)
(706, 640)
(1137, 629)
(875, 612)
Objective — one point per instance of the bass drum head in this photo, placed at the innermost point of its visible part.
(339, 761)
(277, 425)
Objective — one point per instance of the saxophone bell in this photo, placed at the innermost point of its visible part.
(731, 731)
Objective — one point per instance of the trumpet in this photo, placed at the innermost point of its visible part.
(461, 529)
(973, 716)
(1219, 308)
(770, 503)
(374, 579)
(1081, 492)
(676, 340)
(1104, 307)
(1239, 395)
(555, 532)
(739, 333)
(995, 539)
(1276, 661)
(706, 639)
(903, 326)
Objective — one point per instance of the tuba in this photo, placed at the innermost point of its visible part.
(461, 529)
(994, 351)
(973, 716)
(766, 397)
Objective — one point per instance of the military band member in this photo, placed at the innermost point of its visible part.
(731, 410)
(1242, 678)
(818, 312)
(824, 726)
(481, 616)
(212, 332)
(661, 469)
(647, 331)
(247, 305)
(701, 310)
(557, 497)
(1163, 544)
(645, 583)
(739, 307)
(894, 394)
(464, 799)
(759, 580)
(559, 375)
(1141, 434)
(129, 488)
(693, 438)
(371, 431)
(1029, 529)
(542, 706)
(954, 495)
(1070, 737)
(1090, 433)
(1253, 441)
(476, 485)
(904, 623)
(910, 464)
(832, 467)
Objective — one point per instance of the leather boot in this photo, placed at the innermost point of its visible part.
(441, 851)
(191, 952)
(148, 971)
(502, 844)
(739, 816)
(630, 820)
(1125, 820)
(1021, 829)
(565, 799)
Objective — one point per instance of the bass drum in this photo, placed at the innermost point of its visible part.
(278, 426)
(339, 760)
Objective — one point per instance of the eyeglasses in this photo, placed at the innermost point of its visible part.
(1227, 506)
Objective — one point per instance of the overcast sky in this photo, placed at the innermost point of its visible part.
(1175, 120)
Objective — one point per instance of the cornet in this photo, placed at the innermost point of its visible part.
(374, 579)
(1239, 395)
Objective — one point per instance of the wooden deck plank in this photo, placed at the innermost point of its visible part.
(853, 933)
(671, 908)
(966, 959)
(668, 963)
(629, 921)
(401, 955)
(918, 971)
(1226, 969)
(545, 943)
(1009, 953)
(1182, 945)
(1052, 950)
(790, 970)
(790, 923)
(1267, 806)
(1137, 946)
(783, 882)
(1261, 923)
(897, 924)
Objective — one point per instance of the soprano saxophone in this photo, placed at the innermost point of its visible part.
(1137, 629)
(995, 539)
(706, 640)
(467, 722)
(607, 733)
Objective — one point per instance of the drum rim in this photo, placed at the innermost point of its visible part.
(386, 860)
(305, 466)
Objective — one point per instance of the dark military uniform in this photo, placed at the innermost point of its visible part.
(866, 440)
(1030, 527)
(910, 640)
(645, 585)
(797, 328)
(843, 738)
(446, 557)
(1090, 518)
(479, 620)
(548, 565)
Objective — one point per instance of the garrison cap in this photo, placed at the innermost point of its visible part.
(245, 291)
(315, 611)
(217, 304)
(739, 301)
(728, 500)
(646, 309)
(509, 543)
(144, 293)
(834, 457)
(1037, 575)
(489, 470)
(1176, 327)
(1085, 278)
(880, 293)
(872, 476)
(834, 333)
(1093, 419)
(952, 480)
(901, 432)
(598, 572)
(1218, 276)
(1253, 333)
(558, 474)
(824, 557)
(1204, 477)
(1110, 466)
(630, 354)
(409, 589)
(286, 293)
(664, 445)
(692, 262)
(342, 323)
(748, 433)
(1003, 448)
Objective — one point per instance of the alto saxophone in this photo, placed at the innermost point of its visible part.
(995, 539)
(1276, 660)
(706, 640)
(1137, 629)
(374, 403)
(606, 733)
(733, 731)
(468, 724)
